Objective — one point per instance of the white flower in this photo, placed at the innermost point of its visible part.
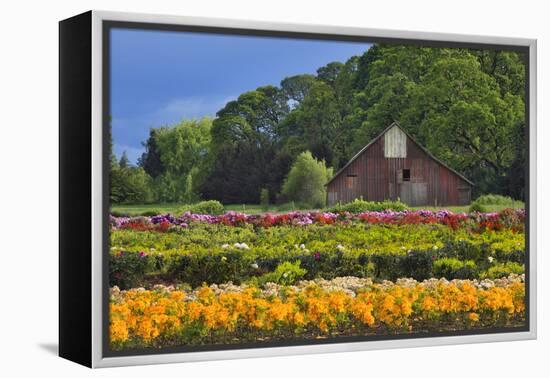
(340, 247)
(241, 246)
(302, 246)
(285, 274)
(224, 246)
(254, 266)
(490, 258)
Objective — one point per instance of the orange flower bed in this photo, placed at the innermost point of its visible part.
(166, 316)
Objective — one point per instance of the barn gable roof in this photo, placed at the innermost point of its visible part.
(396, 124)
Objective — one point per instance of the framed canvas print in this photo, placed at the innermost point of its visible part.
(235, 189)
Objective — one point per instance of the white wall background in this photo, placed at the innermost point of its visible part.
(28, 185)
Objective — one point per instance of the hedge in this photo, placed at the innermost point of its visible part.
(216, 253)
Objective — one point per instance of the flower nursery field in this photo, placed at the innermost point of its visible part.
(201, 279)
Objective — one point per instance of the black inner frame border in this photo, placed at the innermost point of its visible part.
(108, 25)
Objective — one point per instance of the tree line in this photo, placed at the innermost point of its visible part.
(465, 106)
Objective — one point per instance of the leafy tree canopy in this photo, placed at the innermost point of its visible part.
(306, 181)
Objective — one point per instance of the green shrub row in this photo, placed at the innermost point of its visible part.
(360, 206)
(214, 253)
(131, 270)
(452, 268)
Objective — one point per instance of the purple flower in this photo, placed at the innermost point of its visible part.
(317, 256)
(162, 218)
(142, 254)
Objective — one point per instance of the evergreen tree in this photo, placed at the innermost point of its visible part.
(124, 162)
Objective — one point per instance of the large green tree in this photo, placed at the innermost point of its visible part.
(130, 185)
(316, 122)
(176, 157)
(245, 139)
(184, 146)
(320, 122)
(297, 87)
(464, 119)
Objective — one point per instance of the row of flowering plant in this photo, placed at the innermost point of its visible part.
(346, 306)
(506, 219)
(215, 253)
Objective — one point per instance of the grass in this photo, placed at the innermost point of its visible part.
(174, 208)
(465, 209)
(257, 209)
(142, 208)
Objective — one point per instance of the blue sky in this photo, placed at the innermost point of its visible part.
(160, 77)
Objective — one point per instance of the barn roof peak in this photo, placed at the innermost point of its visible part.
(391, 126)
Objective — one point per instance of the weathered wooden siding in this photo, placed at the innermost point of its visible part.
(378, 177)
(395, 143)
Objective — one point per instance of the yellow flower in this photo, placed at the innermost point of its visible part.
(363, 312)
(299, 318)
(141, 317)
(118, 331)
(428, 303)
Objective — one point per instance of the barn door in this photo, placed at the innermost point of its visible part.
(405, 193)
(419, 193)
(414, 193)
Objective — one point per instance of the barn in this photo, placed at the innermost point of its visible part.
(393, 165)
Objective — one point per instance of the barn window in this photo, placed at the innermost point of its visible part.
(406, 175)
(350, 181)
